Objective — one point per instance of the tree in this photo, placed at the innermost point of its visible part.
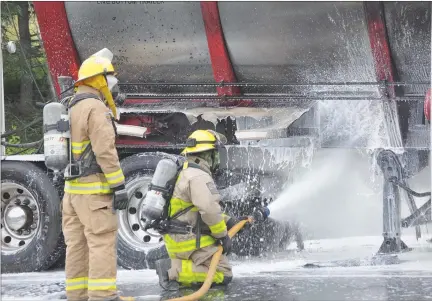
(26, 79)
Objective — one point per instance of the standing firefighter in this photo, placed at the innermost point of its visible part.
(195, 202)
(89, 220)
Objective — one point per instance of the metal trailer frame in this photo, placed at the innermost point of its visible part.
(2, 108)
(63, 60)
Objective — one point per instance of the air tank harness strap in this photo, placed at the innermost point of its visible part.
(63, 125)
(168, 224)
(169, 189)
(78, 97)
(86, 164)
(197, 228)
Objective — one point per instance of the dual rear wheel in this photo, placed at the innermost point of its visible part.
(31, 235)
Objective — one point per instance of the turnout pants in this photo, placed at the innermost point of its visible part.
(90, 231)
(192, 267)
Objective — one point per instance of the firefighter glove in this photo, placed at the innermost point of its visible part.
(226, 244)
(231, 222)
(261, 214)
(121, 198)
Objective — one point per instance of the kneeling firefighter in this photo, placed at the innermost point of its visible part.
(92, 177)
(195, 203)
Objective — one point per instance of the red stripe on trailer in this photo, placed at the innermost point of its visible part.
(379, 44)
(140, 142)
(427, 104)
(385, 69)
(143, 101)
(62, 56)
(220, 60)
(199, 102)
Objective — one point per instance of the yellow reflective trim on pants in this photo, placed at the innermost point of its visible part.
(187, 276)
(218, 228)
(115, 177)
(75, 187)
(102, 284)
(178, 204)
(188, 245)
(74, 284)
(79, 147)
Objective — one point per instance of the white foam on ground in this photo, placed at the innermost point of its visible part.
(417, 263)
(414, 264)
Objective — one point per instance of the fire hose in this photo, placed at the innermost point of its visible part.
(259, 215)
(213, 265)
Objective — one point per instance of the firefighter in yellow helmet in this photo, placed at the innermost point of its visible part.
(195, 201)
(94, 185)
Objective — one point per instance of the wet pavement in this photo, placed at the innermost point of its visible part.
(266, 286)
(346, 272)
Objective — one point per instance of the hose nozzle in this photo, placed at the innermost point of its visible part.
(261, 213)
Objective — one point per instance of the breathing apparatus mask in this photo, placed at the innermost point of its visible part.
(111, 81)
(118, 97)
(215, 161)
(113, 88)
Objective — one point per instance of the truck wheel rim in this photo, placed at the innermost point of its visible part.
(20, 217)
(130, 224)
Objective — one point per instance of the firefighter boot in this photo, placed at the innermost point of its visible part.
(162, 267)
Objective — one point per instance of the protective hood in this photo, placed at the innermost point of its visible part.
(98, 72)
(100, 84)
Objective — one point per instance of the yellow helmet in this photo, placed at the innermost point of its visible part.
(203, 140)
(93, 72)
(94, 66)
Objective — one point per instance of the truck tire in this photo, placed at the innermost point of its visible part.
(60, 254)
(31, 219)
(133, 242)
(156, 254)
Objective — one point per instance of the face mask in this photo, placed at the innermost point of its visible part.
(111, 81)
(215, 161)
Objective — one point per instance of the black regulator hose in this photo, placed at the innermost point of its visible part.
(410, 191)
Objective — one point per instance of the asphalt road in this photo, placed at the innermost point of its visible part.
(346, 272)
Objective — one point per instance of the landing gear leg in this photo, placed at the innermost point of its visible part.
(392, 171)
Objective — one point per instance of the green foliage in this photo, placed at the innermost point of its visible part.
(15, 139)
(25, 72)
